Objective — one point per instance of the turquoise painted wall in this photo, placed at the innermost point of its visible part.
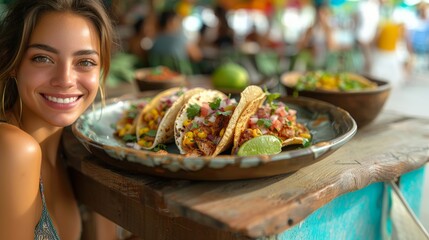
(411, 186)
(355, 215)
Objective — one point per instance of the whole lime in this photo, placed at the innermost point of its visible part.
(230, 76)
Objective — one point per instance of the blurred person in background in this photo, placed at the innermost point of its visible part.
(418, 35)
(387, 62)
(224, 33)
(142, 40)
(316, 42)
(171, 48)
(330, 42)
(367, 20)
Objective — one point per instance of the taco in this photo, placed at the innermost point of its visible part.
(155, 123)
(205, 124)
(270, 118)
(125, 126)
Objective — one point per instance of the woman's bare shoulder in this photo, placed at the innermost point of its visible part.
(20, 163)
(17, 147)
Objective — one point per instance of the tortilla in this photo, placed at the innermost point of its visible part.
(211, 142)
(300, 133)
(156, 121)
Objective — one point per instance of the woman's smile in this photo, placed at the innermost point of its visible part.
(61, 102)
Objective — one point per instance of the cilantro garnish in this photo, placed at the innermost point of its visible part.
(193, 111)
(129, 138)
(273, 106)
(132, 114)
(151, 133)
(181, 91)
(306, 142)
(132, 107)
(194, 125)
(215, 104)
(271, 97)
(226, 113)
(159, 147)
(265, 122)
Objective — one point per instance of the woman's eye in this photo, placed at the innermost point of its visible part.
(42, 59)
(87, 63)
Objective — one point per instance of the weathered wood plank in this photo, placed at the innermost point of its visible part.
(139, 218)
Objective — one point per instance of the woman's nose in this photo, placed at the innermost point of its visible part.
(63, 76)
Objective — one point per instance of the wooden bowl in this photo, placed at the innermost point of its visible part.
(158, 78)
(363, 105)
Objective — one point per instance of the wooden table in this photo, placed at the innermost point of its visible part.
(157, 208)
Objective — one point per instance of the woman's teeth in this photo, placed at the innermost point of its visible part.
(61, 100)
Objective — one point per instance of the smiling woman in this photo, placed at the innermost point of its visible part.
(54, 55)
(58, 76)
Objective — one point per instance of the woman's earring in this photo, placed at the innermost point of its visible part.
(20, 101)
(2, 99)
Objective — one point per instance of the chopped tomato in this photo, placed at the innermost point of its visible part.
(277, 125)
(205, 109)
(281, 111)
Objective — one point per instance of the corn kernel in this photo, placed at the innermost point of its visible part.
(222, 132)
(142, 142)
(305, 135)
(256, 132)
(189, 135)
(143, 131)
(188, 141)
(230, 108)
(154, 113)
(147, 117)
(202, 134)
(187, 122)
(122, 132)
(128, 126)
(151, 124)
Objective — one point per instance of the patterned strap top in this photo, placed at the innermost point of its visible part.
(45, 229)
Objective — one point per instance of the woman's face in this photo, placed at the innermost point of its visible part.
(58, 77)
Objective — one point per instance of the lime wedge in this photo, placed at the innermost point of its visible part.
(265, 144)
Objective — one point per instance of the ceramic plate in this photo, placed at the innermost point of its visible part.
(330, 126)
